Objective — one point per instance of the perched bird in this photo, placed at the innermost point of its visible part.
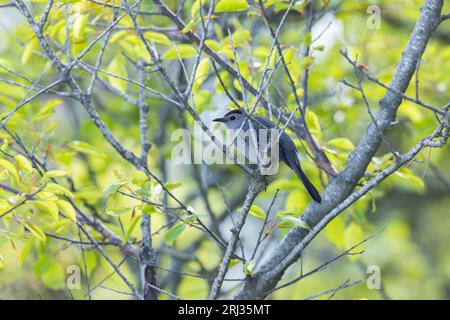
(236, 120)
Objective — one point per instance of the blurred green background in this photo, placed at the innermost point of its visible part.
(412, 206)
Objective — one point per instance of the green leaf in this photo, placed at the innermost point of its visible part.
(172, 185)
(297, 200)
(49, 207)
(147, 209)
(257, 212)
(47, 110)
(144, 192)
(117, 67)
(288, 221)
(118, 36)
(188, 27)
(24, 236)
(113, 188)
(23, 163)
(307, 62)
(406, 178)
(190, 218)
(35, 230)
(214, 45)
(249, 267)
(10, 168)
(341, 143)
(56, 174)
(202, 72)
(84, 147)
(28, 52)
(173, 233)
(320, 47)
(308, 39)
(233, 263)
(79, 27)
(57, 189)
(117, 212)
(231, 5)
(158, 37)
(67, 209)
(312, 120)
(182, 51)
(131, 227)
(282, 185)
(5, 63)
(195, 8)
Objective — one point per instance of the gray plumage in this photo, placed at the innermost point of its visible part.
(287, 150)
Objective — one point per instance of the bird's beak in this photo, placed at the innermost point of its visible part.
(219, 120)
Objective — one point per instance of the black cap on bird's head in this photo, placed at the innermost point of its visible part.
(229, 116)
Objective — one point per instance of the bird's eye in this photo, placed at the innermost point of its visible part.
(232, 117)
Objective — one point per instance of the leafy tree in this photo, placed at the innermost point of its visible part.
(94, 92)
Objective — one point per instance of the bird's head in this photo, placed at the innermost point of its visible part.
(232, 119)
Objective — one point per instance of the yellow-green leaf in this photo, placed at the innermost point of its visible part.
(406, 178)
(288, 221)
(58, 189)
(79, 27)
(24, 163)
(45, 195)
(67, 209)
(10, 168)
(117, 212)
(158, 37)
(257, 212)
(231, 5)
(84, 147)
(214, 45)
(117, 67)
(118, 36)
(320, 47)
(27, 53)
(35, 230)
(47, 110)
(249, 267)
(147, 209)
(297, 200)
(202, 72)
(49, 207)
(182, 51)
(131, 227)
(188, 27)
(56, 174)
(307, 62)
(195, 8)
(312, 120)
(113, 188)
(341, 143)
(173, 233)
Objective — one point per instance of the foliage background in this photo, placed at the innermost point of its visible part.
(412, 252)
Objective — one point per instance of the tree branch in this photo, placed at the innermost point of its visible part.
(255, 187)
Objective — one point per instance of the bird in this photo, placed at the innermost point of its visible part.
(237, 120)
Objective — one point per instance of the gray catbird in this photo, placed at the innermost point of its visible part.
(236, 120)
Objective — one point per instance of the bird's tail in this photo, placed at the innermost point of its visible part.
(304, 179)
